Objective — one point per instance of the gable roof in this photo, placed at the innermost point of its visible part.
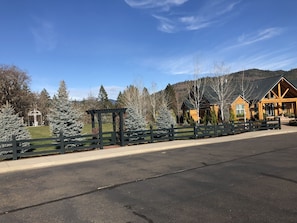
(240, 96)
(294, 82)
(262, 86)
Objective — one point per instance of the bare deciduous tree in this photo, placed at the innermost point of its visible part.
(246, 89)
(222, 86)
(14, 88)
(153, 101)
(196, 91)
(136, 97)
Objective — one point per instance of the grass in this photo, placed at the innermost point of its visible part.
(40, 132)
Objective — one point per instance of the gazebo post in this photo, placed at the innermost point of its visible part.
(122, 143)
(93, 120)
(100, 131)
(114, 138)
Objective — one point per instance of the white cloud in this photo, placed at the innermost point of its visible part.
(177, 65)
(195, 22)
(209, 13)
(225, 8)
(162, 4)
(44, 34)
(166, 25)
(247, 39)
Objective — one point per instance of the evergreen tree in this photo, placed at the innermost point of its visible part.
(171, 97)
(103, 98)
(43, 104)
(134, 122)
(11, 124)
(120, 101)
(63, 116)
(164, 119)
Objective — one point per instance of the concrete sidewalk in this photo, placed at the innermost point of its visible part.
(55, 160)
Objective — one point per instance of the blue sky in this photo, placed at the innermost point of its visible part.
(115, 43)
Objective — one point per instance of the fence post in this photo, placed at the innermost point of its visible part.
(250, 125)
(171, 133)
(265, 124)
(279, 123)
(151, 134)
(62, 143)
(14, 148)
(196, 131)
(215, 130)
(232, 128)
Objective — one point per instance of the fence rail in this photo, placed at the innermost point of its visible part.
(15, 149)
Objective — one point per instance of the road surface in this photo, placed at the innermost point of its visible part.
(252, 180)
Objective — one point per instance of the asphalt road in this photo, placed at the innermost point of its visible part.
(253, 180)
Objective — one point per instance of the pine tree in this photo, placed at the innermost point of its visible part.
(63, 116)
(43, 104)
(164, 119)
(11, 124)
(134, 122)
(103, 98)
(172, 99)
(120, 101)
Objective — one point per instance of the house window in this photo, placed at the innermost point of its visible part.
(240, 110)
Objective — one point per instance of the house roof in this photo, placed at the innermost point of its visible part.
(294, 82)
(211, 96)
(262, 86)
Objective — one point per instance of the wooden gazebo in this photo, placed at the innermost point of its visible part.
(115, 112)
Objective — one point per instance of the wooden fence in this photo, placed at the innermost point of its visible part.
(16, 149)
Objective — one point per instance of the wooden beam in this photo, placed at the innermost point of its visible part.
(274, 94)
(285, 93)
(279, 89)
(278, 100)
(260, 110)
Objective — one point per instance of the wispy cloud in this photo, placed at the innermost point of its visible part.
(175, 65)
(195, 22)
(209, 14)
(173, 20)
(160, 4)
(166, 25)
(247, 39)
(44, 34)
(271, 60)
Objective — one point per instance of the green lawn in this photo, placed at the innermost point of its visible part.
(40, 132)
(44, 131)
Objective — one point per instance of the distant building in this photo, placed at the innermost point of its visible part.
(269, 97)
